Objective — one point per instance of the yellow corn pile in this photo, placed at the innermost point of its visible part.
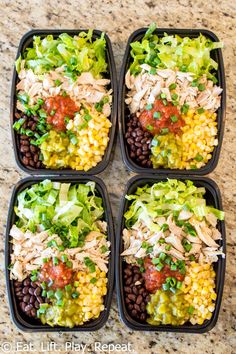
(91, 142)
(198, 139)
(198, 287)
(91, 287)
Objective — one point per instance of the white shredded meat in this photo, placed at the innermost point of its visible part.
(172, 241)
(145, 87)
(85, 89)
(29, 249)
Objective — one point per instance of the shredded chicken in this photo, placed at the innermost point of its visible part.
(145, 87)
(29, 250)
(85, 89)
(203, 245)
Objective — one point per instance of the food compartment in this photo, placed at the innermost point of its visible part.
(172, 121)
(64, 102)
(62, 278)
(170, 282)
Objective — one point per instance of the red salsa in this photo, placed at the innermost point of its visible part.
(58, 108)
(161, 116)
(154, 278)
(60, 275)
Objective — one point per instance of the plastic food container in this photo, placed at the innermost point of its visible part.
(123, 110)
(213, 197)
(27, 324)
(26, 41)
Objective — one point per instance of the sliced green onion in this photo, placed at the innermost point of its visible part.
(68, 287)
(58, 294)
(163, 95)
(157, 115)
(159, 266)
(64, 258)
(172, 86)
(60, 303)
(162, 256)
(142, 269)
(179, 284)
(201, 87)
(45, 260)
(174, 118)
(50, 294)
(200, 110)
(55, 261)
(185, 108)
(153, 71)
(69, 264)
(104, 249)
(198, 157)
(149, 127)
(75, 295)
(191, 258)
(34, 278)
(93, 280)
(44, 293)
(164, 131)
(165, 286)
(173, 267)
(190, 310)
(57, 82)
(194, 83)
(168, 247)
(18, 124)
(87, 117)
(162, 240)
(174, 96)
(155, 260)
(148, 107)
(53, 112)
(165, 227)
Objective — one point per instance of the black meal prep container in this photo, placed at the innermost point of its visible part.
(26, 41)
(213, 197)
(25, 323)
(123, 110)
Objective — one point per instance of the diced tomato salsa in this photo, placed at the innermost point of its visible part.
(161, 116)
(60, 275)
(154, 278)
(58, 108)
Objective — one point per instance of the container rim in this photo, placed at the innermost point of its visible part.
(211, 165)
(113, 117)
(95, 324)
(211, 187)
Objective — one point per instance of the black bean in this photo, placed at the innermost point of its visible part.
(32, 299)
(28, 154)
(47, 300)
(128, 271)
(130, 141)
(17, 115)
(25, 161)
(24, 148)
(135, 290)
(143, 306)
(31, 291)
(128, 281)
(138, 139)
(143, 317)
(127, 289)
(25, 290)
(134, 134)
(132, 297)
(33, 312)
(22, 306)
(37, 291)
(130, 307)
(28, 307)
(134, 313)
(141, 157)
(26, 298)
(136, 277)
(36, 304)
(33, 148)
(40, 300)
(31, 163)
(139, 299)
(139, 145)
(136, 307)
(26, 282)
(33, 284)
(28, 313)
(143, 163)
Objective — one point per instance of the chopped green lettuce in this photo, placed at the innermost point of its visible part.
(61, 208)
(78, 54)
(171, 51)
(165, 198)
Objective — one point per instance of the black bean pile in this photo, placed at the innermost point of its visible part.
(136, 295)
(139, 142)
(30, 154)
(29, 296)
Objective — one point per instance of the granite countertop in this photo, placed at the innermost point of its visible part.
(119, 19)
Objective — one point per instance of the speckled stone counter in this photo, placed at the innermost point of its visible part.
(119, 19)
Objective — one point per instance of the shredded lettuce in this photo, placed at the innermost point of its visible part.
(171, 51)
(78, 54)
(67, 210)
(165, 198)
